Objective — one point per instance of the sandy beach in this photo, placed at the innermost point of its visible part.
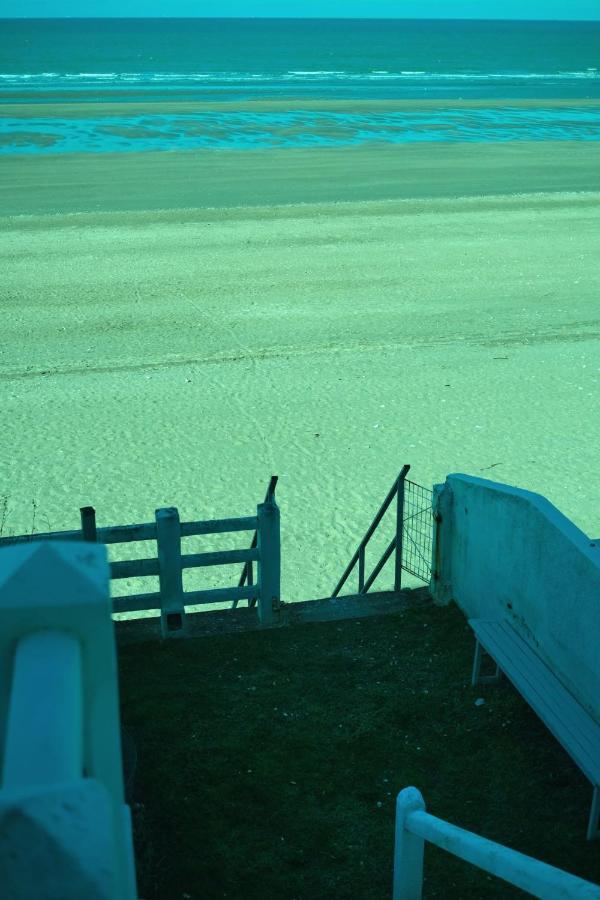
(179, 326)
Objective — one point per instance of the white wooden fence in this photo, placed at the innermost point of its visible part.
(414, 826)
(167, 530)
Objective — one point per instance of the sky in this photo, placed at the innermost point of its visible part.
(410, 9)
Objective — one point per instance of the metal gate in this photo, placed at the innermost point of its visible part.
(417, 526)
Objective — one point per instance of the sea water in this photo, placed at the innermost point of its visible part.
(291, 61)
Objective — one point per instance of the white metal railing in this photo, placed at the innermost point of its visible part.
(60, 759)
(414, 826)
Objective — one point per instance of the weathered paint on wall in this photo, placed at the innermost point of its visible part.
(64, 827)
(502, 552)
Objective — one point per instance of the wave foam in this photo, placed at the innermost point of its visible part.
(404, 76)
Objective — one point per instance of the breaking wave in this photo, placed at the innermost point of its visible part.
(57, 79)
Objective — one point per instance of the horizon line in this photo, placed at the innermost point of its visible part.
(299, 18)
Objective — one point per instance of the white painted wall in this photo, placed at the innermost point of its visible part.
(502, 552)
(65, 830)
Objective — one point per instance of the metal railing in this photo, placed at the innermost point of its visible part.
(397, 491)
(412, 541)
(414, 826)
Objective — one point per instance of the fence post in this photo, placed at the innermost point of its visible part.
(88, 523)
(269, 561)
(399, 529)
(168, 536)
(408, 849)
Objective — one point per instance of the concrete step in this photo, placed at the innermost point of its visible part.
(242, 619)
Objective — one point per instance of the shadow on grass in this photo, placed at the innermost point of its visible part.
(269, 763)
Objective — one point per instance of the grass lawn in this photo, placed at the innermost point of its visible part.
(269, 762)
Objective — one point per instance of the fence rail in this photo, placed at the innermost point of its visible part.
(414, 826)
(167, 530)
(136, 568)
(125, 534)
(152, 601)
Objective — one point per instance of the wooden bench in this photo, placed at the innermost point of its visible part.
(558, 709)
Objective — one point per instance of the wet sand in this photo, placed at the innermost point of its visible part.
(87, 182)
(59, 105)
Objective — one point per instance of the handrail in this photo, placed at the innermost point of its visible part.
(396, 490)
(247, 571)
(414, 826)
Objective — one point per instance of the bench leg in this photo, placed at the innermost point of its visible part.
(476, 664)
(594, 822)
(476, 677)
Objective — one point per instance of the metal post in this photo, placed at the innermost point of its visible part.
(476, 664)
(408, 849)
(593, 830)
(249, 575)
(88, 523)
(361, 569)
(399, 529)
(168, 536)
(269, 562)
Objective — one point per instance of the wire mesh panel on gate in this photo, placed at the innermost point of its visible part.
(417, 530)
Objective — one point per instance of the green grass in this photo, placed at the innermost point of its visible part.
(269, 763)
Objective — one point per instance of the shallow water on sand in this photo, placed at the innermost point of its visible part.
(297, 128)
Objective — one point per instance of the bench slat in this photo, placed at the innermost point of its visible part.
(559, 710)
(562, 714)
(543, 681)
(548, 685)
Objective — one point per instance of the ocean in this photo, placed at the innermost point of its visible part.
(254, 58)
(290, 62)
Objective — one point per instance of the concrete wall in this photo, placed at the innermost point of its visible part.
(65, 830)
(501, 552)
